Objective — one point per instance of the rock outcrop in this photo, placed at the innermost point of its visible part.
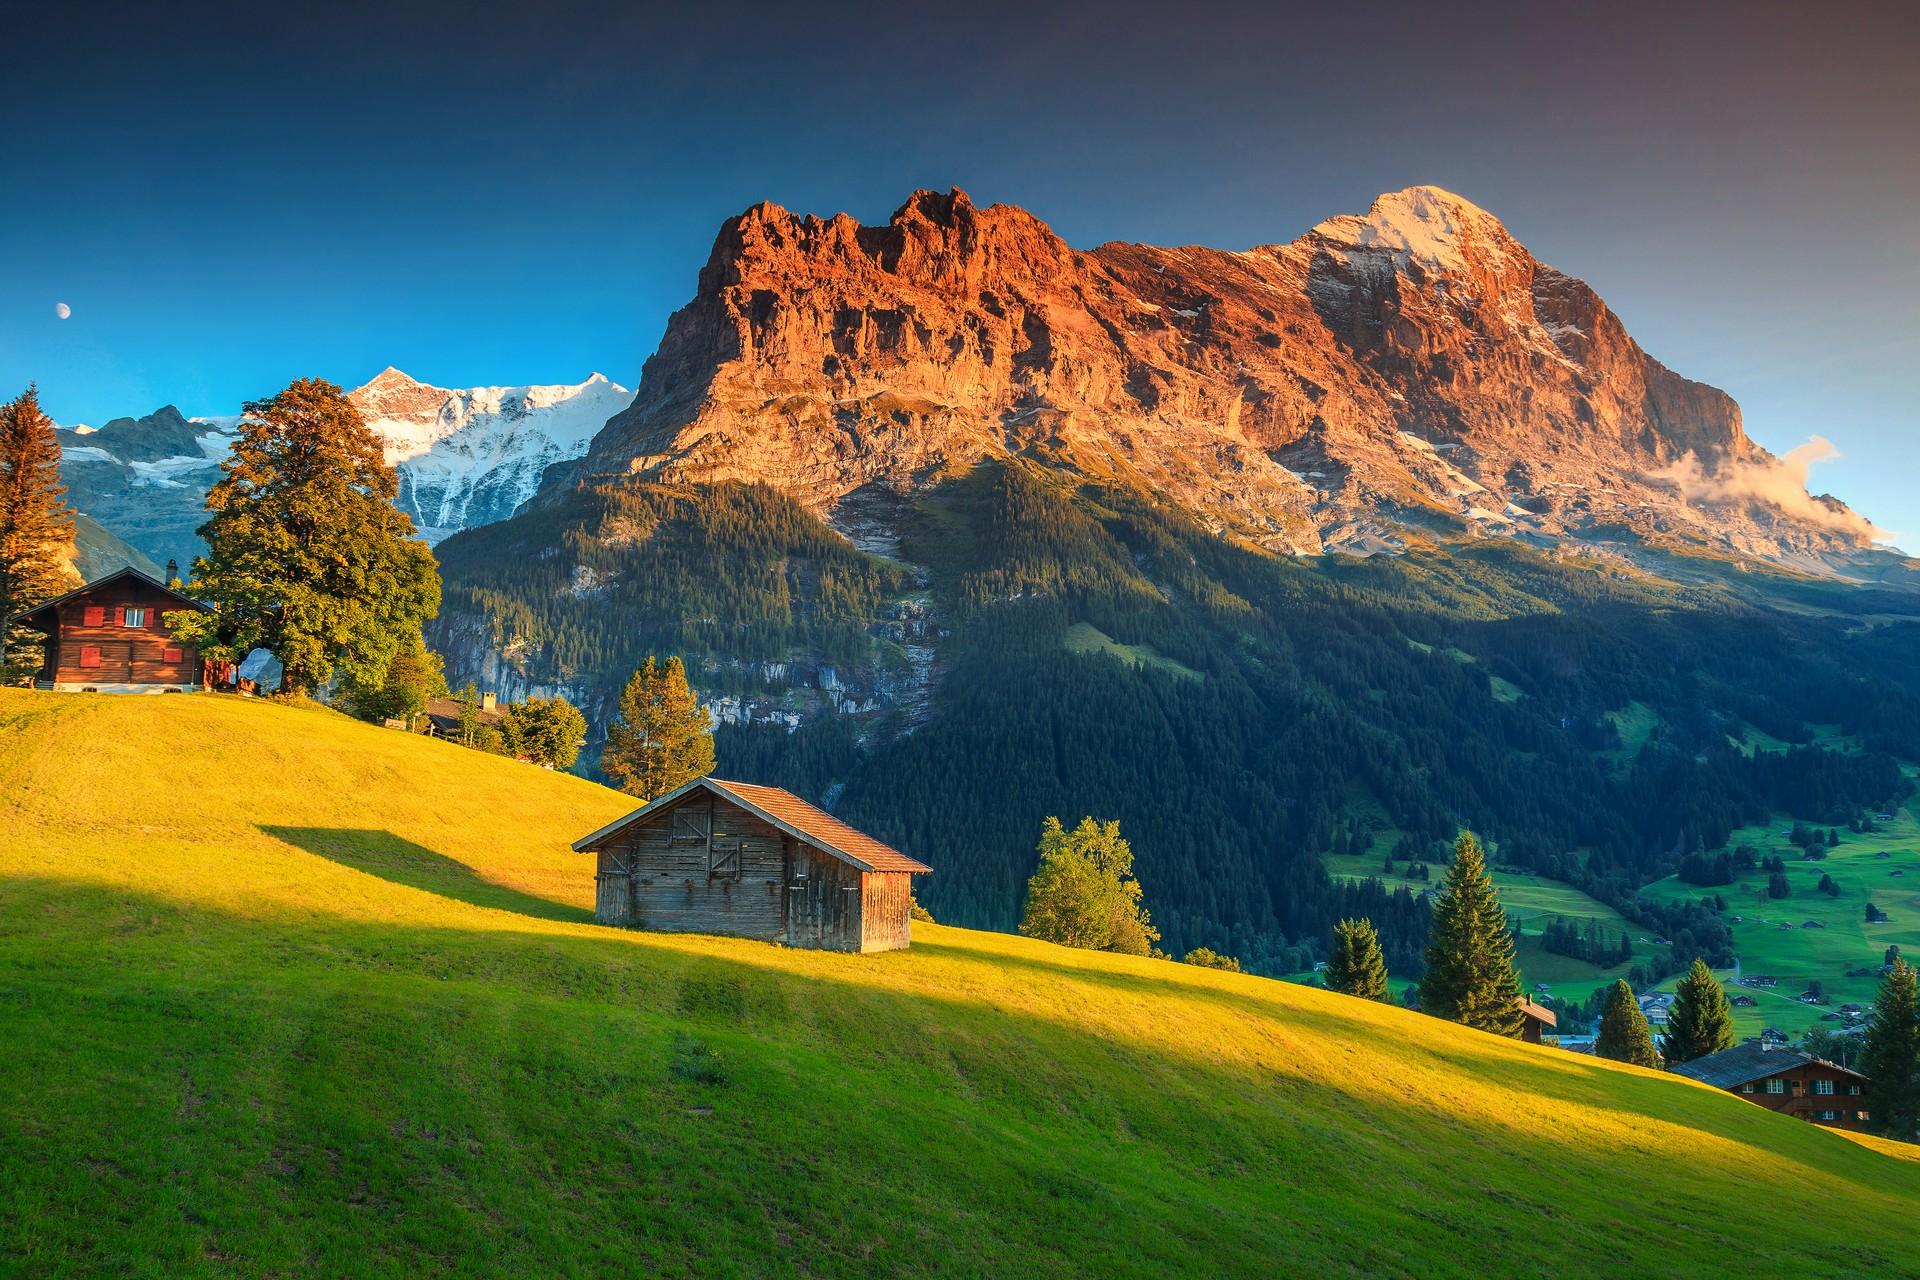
(1399, 374)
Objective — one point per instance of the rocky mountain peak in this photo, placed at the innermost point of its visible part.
(1385, 378)
(1442, 231)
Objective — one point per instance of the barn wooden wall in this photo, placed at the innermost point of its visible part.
(656, 874)
(886, 913)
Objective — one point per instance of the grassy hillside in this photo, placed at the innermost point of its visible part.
(285, 994)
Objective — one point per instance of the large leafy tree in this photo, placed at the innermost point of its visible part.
(307, 557)
(1700, 1021)
(1084, 893)
(1624, 1034)
(663, 737)
(1355, 965)
(416, 675)
(36, 526)
(547, 731)
(1891, 1058)
(1470, 975)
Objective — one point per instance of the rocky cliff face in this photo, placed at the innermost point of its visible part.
(1381, 378)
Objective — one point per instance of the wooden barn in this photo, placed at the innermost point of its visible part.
(751, 862)
(111, 636)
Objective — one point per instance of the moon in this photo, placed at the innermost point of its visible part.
(62, 310)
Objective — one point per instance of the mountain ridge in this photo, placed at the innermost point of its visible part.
(465, 455)
(1379, 379)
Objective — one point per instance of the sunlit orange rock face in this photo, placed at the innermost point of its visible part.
(1410, 371)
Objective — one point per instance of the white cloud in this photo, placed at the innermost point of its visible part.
(1778, 482)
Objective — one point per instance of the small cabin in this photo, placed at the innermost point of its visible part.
(750, 861)
(1538, 1023)
(111, 636)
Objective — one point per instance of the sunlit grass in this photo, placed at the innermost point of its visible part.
(286, 993)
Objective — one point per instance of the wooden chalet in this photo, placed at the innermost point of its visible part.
(751, 862)
(441, 717)
(110, 636)
(1784, 1080)
(1540, 1022)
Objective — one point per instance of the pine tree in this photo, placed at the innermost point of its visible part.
(1084, 893)
(1624, 1034)
(663, 737)
(1700, 1021)
(1355, 965)
(1470, 975)
(307, 557)
(1890, 1058)
(36, 527)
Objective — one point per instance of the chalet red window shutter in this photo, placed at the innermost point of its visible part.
(119, 615)
(171, 654)
(89, 655)
(94, 616)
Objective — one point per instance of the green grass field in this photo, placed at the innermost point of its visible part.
(1084, 637)
(1844, 941)
(284, 994)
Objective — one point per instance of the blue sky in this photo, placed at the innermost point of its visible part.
(230, 198)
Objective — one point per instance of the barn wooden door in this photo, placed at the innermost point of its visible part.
(803, 898)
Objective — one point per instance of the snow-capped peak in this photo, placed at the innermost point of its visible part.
(1428, 223)
(472, 455)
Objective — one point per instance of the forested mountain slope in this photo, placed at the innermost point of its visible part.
(348, 1016)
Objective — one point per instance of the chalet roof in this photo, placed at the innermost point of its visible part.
(784, 810)
(445, 712)
(1744, 1063)
(97, 583)
(1538, 1012)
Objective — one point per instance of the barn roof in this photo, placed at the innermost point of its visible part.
(1538, 1012)
(1744, 1063)
(784, 810)
(97, 583)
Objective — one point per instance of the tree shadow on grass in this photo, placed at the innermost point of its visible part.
(388, 856)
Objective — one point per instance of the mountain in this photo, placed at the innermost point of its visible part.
(468, 457)
(352, 1017)
(464, 456)
(1380, 378)
(98, 551)
(959, 527)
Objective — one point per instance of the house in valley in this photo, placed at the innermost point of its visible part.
(1784, 1080)
(110, 637)
(751, 862)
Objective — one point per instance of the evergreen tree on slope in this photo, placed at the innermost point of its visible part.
(1355, 965)
(1470, 974)
(1891, 1058)
(663, 737)
(36, 527)
(1624, 1034)
(1700, 1021)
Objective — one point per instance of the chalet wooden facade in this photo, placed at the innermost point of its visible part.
(111, 636)
(1783, 1080)
(751, 862)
